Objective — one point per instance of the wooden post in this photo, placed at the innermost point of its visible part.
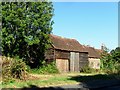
(54, 55)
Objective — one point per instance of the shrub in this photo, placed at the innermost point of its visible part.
(6, 69)
(18, 69)
(46, 69)
(12, 68)
(112, 67)
(110, 62)
(87, 69)
(118, 69)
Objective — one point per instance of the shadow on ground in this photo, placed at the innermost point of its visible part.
(98, 82)
(80, 78)
(34, 87)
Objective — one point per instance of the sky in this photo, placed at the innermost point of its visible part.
(90, 23)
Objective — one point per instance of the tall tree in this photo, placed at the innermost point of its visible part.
(25, 30)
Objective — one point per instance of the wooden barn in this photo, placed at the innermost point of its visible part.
(69, 54)
(93, 57)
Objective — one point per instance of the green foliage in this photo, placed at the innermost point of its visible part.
(46, 69)
(13, 68)
(25, 30)
(18, 69)
(110, 62)
(87, 69)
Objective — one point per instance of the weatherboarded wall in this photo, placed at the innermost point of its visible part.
(50, 55)
(61, 58)
(61, 54)
(83, 60)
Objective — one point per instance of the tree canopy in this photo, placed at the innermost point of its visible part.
(25, 30)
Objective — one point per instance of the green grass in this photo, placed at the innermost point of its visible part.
(56, 79)
(43, 82)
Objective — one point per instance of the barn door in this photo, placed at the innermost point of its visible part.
(62, 65)
(72, 54)
(74, 62)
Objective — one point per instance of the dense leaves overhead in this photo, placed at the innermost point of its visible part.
(25, 29)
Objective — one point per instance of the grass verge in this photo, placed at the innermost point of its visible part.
(55, 80)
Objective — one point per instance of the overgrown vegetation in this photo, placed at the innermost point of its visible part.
(110, 62)
(16, 69)
(13, 69)
(46, 69)
(87, 69)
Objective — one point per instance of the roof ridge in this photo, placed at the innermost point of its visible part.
(63, 37)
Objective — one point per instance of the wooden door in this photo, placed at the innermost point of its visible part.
(72, 54)
(62, 65)
(74, 62)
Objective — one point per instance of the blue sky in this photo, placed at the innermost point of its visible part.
(91, 23)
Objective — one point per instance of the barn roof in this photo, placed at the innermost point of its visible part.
(66, 44)
(99, 51)
(92, 52)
